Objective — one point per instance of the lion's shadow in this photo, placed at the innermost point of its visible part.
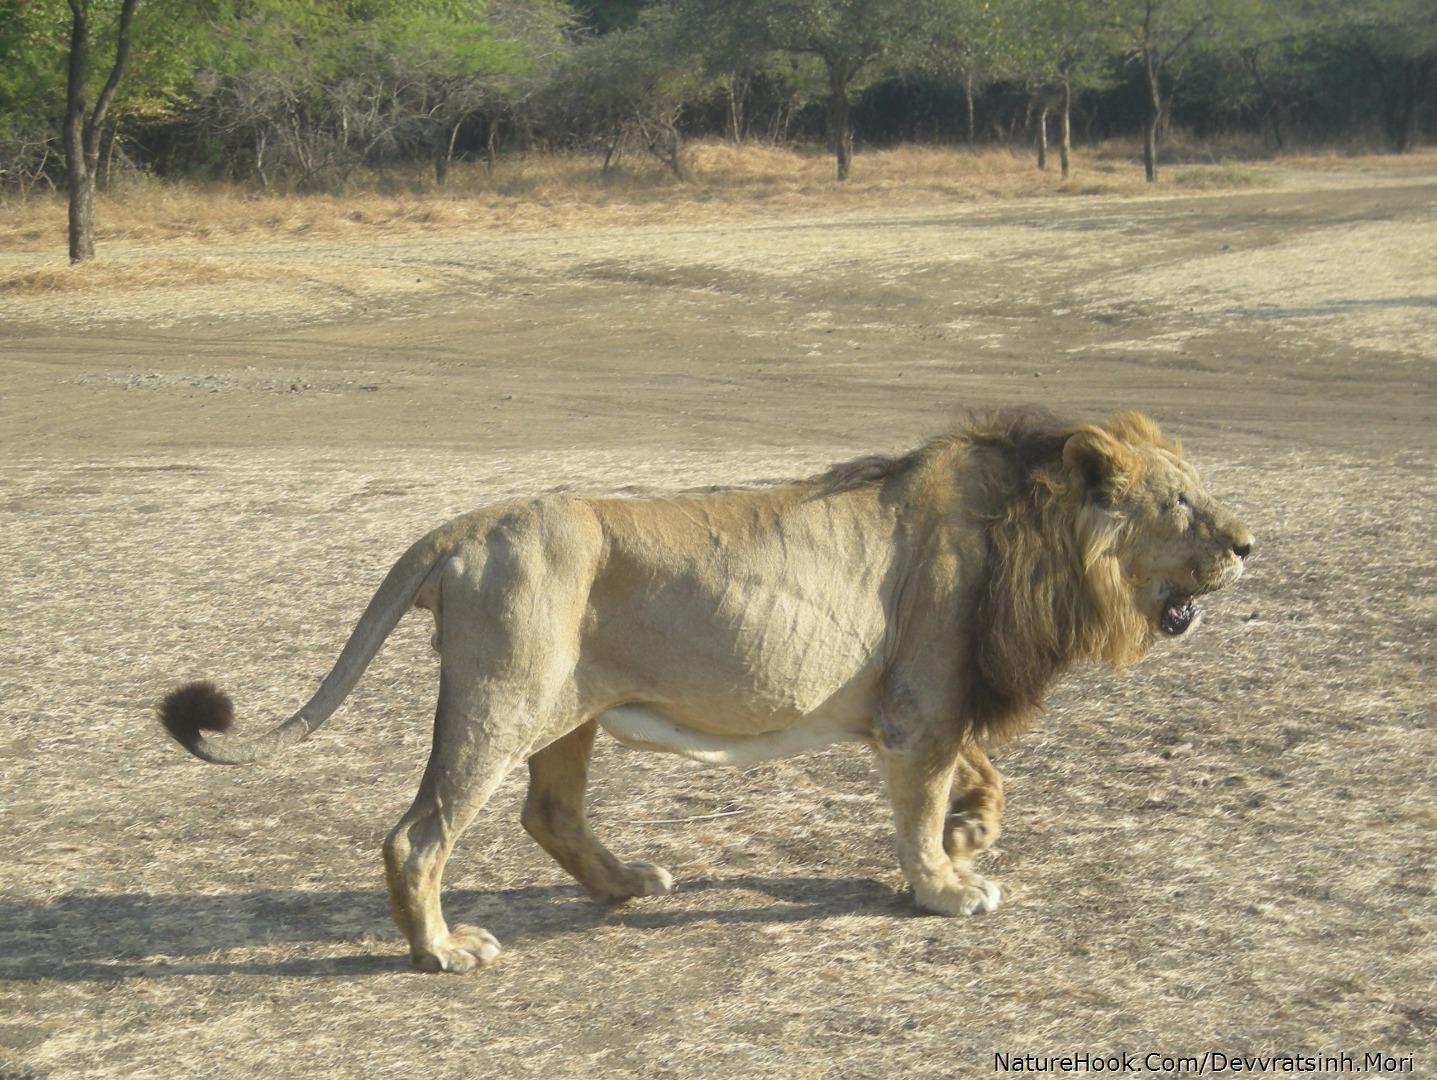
(110, 936)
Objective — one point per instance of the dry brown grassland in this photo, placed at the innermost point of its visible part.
(555, 190)
(558, 190)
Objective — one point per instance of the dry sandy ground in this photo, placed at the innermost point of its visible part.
(1230, 848)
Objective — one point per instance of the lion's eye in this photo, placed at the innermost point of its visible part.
(1182, 500)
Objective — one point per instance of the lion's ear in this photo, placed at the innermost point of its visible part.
(1101, 462)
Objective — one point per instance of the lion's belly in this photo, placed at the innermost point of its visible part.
(731, 670)
(644, 728)
(733, 629)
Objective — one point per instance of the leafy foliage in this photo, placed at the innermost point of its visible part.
(296, 94)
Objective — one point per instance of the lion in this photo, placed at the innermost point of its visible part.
(920, 605)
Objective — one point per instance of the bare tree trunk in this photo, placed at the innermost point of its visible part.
(614, 151)
(261, 143)
(1150, 149)
(1065, 143)
(41, 174)
(1273, 115)
(1043, 137)
(444, 152)
(82, 219)
(736, 92)
(491, 145)
(1274, 123)
(1154, 119)
(104, 179)
(838, 130)
(81, 184)
(453, 138)
(662, 139)
(301, 151)
(82, 132)
(783, 122)
(968, 88)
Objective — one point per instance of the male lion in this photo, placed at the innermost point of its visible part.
(919, 604)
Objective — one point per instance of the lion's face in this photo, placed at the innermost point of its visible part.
(1180, 542)
(1148, 510)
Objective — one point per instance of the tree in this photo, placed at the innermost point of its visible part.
(1159, 34)
(964, 39)
(155, 46)
(32, 46)
(543, 33)
(440, 63)
(1260, 63)
(1058, 50)
(605, 16)
(283, 83)
(740, 65)
(305, 92)
(84, 123)
(632, 85)
(853, 40)
(1396, 42)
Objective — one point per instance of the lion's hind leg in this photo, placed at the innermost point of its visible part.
(482, 729)
(554, 816)
(462, 773)
(975, 806)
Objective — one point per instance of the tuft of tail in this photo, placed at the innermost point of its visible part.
(199, 714)
(188, 711)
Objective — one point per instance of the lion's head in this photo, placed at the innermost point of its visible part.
(1144, 512)
(1102, 539)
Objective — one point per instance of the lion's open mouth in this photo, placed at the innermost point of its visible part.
(1179, 611)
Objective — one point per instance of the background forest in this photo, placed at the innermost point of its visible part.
(292, 96)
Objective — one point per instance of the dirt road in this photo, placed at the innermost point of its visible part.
(1230, 848)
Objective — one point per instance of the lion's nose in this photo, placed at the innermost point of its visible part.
(1242, 546)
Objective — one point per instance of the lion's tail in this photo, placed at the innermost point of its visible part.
(199, 713)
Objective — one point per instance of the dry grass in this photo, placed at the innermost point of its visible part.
(542, 191)
(556, 191)
(1224, 176)
(149, 273)
(1229, 848)
(1361, 160)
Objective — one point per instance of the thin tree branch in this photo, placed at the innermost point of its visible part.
(107, 93)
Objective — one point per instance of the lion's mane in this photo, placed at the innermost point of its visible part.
(1054, 592)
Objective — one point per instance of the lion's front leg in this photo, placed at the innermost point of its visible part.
(975, 806)
(919, 785)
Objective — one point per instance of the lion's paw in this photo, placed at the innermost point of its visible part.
(466, 948)
(968, 894)
(638, 879)
(650, 879)
(970, 833)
